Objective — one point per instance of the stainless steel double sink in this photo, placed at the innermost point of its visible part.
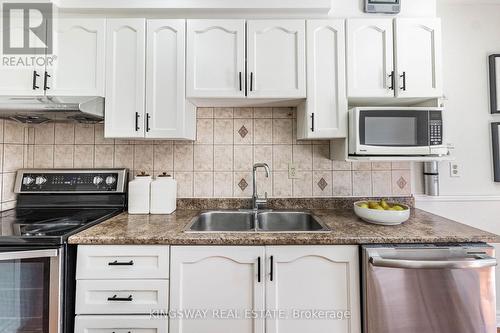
(250, 221)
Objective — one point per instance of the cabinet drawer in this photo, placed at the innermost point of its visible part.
(121, 296)
(120, 324)
(122, 262)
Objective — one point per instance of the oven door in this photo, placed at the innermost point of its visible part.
(30, 283)
(392, 132)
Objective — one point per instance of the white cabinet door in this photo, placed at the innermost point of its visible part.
(125, 78)
(370, 60)
(418, 57)
(218, 278)
(313, 278)
(79, 45)
(168, 116)
(21, 74)
(324, 114)
(276, 59)
(215, 58)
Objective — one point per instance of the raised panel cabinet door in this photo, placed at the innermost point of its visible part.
(215, 58)
(276, 66)
(168, 115)
(418, 57)
(79, 46)
(370, 58)
(125, 78)
(20, 74)
(219, 279)
(301, 279)
(121, 323)
(324, 113)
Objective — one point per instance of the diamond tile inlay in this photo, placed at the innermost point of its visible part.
(402, 182)
(322, 184)
(243, 131)
(243, 184)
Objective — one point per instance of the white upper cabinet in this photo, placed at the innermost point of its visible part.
(168, 115)
(324, 114)
(313, 277)
(24, 78)
(370, 57)
(418, 57)
(218, 278)
(125, 77)
(79, 45)
(215, 58)
(276, 59)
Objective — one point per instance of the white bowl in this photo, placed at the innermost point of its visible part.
(383, 217)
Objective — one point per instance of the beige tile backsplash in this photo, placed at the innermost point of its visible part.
(217, 164)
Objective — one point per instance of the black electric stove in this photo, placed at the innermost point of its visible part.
(51, 206)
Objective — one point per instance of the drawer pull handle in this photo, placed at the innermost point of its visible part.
(116, 263)
(122, 299)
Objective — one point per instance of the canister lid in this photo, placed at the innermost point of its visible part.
(142, 174)
(164, 174)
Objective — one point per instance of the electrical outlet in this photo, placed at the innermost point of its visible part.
(455, 169)
(292, 171)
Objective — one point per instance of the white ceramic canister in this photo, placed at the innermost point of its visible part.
(139, 194)
(163, 194)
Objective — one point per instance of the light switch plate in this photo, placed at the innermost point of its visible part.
(292, 171)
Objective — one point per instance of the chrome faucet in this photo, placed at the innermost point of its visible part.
(256, 201)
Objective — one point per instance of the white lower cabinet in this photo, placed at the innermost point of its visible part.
(120, 324)
(298, 281)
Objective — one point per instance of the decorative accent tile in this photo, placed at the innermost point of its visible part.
(243, 184)
(322, 184)
(243, 131)
(401, 182)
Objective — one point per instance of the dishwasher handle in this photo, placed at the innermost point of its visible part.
(474, 262)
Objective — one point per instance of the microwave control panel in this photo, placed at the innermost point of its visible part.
(435, 128)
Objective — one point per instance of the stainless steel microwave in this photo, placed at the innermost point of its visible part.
(394, 131)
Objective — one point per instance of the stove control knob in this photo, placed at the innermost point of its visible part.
(97, 180)
(40, 180)
(110, 180)
(28, 180)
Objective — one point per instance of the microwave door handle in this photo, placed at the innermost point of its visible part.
(479, 261)
(15, 255)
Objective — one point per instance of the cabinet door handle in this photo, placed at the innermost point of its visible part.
(258, 269)
(35, 75)
(251, 81)
(312, 122)
(241, 87)
(137, 121)
(391, 76)
(45, 85)
(404, 81)
(117, 263)
(120, 299)
(147, 122)
(271, 271)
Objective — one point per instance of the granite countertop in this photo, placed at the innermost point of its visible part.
(345, 228)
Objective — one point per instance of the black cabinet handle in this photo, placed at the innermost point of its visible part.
(251, 81)
(312, 122)
(392, 80)
(117, 263)
(271, 272)
(147, 122)
(404, 81)
(35, 75)
(45, 85)
(120, 299)
(137, 121)
(241, 88)
(258, 269)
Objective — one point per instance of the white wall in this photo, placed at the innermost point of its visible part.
(411, 8)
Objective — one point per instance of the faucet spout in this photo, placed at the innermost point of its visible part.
(256, 201)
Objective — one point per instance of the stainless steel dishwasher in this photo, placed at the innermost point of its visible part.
(429, 288)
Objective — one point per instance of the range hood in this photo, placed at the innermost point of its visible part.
(30, 109)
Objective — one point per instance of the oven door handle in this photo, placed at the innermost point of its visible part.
(478, 261)
(28, 254)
